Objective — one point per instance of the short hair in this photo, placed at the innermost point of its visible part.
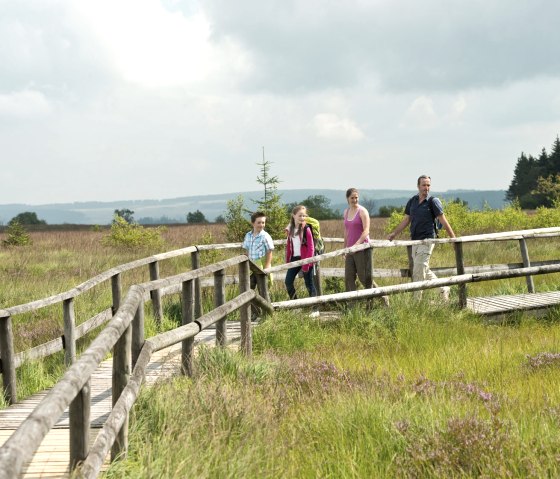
(256, 215)
(349, 191)
(423, 177)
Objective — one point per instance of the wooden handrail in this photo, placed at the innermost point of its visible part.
(20, 447)
(415, 286)
(162, 286)
(96, 280)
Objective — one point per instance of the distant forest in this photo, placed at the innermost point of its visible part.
(536, 181)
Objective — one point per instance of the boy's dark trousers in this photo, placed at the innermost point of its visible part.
(255, 310)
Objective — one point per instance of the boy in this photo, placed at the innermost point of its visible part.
(259, 246)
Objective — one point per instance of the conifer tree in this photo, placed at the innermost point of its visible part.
(527, 170)
(553, 160)
(271, 203)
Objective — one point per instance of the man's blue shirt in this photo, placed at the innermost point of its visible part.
(421, 219)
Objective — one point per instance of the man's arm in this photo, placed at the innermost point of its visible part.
(443, 220)
(402, 225)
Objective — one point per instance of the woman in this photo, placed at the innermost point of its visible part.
(356, 232)
(299, 246)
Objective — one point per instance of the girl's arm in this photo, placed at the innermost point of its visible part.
(310, 240)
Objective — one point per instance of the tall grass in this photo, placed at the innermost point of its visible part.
(424, 392)
(409, 391)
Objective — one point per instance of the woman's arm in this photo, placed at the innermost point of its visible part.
(364, 215)
(345, 232)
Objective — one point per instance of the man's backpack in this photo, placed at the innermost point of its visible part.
(318, 243)
(437, 223)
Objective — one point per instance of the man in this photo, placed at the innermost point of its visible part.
(420, 212)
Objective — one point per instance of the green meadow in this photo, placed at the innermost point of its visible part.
(420, 389)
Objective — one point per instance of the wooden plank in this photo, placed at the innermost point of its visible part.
(490, 305)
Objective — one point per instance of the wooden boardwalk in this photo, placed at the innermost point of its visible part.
(52, 458)
(498, 305)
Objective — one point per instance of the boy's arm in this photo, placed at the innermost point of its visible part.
(268, 259)
(245, 244)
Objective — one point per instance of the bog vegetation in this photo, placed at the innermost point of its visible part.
(407, 391)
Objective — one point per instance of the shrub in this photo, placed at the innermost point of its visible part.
(387, 211)
(17, 235)
(133, 235)
(237, 223)
(510, 218)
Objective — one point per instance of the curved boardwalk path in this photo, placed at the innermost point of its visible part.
(52, 457)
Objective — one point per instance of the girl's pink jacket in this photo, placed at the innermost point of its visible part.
(307, 247)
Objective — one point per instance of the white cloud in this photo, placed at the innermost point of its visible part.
(420, 114)
(198, 87)
(332, 127)
(149, 44)
(24, 104)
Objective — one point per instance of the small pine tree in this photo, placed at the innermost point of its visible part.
(17, 235)
(271, 204)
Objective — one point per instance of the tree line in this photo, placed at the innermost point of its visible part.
(536, 181)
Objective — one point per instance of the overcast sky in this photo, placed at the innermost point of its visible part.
(130, 99)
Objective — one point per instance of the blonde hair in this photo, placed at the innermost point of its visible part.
(295, 210)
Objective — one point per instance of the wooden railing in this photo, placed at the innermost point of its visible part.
(459, 269)
(10, 360)
(124, 335)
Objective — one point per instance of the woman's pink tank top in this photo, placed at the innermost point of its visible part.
(354, 228)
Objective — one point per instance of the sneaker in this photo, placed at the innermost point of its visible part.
(314, 314)
(445, 293)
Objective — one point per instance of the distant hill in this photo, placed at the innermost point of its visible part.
(176, 209)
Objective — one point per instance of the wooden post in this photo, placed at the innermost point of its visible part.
(8, 360)
(461, 270)
(410, 261)
(317, 278)
(245, 311)
(155, 294)
(116, 291)
(79, 418)
(526, 264)
(121, 373)
(219, 299)
(195, 264)
(137, 333)
(69, 331)
(187, 316)
(262, 284)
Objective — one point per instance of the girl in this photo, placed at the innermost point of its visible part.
(299, 246)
